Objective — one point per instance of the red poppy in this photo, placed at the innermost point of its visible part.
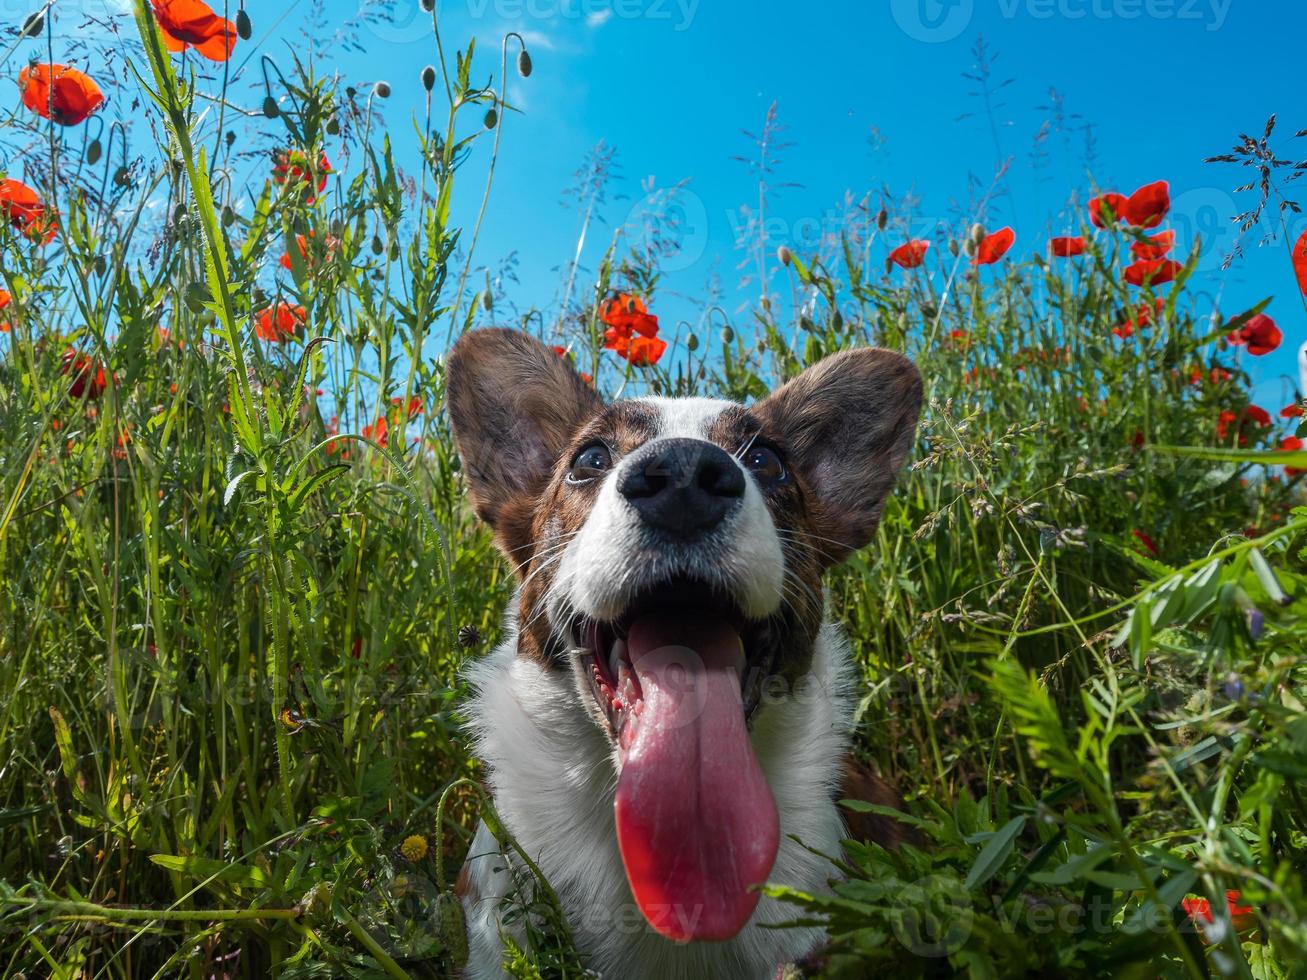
(292, 167)
(379, 433)
(1199, 910)
(280, 323)
(21, 205)
(1252, 413)
(1149, 205)
(560, 351)
(1293, 411)
(1260, 334)
(302, 243)
(638, 351)
(190, 23)
(911, 254)
(58, 92)
(87, 373)
(1156, 247)
(1152, 272)
(625, 315)
(1300, 262)
(1065, 248)
(1216, 376)
(1292, 444)
(1144, 315)
(1107, 210)
(415, 406)
(5, 299)
(994, 247)
(1146, 541)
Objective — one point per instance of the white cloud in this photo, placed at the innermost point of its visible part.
(538, 39)
(599, 17)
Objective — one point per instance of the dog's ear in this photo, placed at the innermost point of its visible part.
(847, 424)
(514, 405)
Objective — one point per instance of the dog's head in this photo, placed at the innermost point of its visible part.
(670, 554)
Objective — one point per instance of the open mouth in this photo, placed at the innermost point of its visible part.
(615, 683)
(677, 676)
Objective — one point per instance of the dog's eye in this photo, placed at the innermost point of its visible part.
(765, 465)
(590, 462)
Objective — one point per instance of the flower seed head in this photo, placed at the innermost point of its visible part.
(524, 63)
(270, 108)
(977, 233)
(243, 29)
(428, 78)
(882, 219)
(414, 847)
(784, 255)
(382, 90)
(953, 247)
(492, 118)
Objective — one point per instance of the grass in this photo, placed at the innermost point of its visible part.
(233, 610)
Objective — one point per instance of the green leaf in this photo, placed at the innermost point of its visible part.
(994, 853)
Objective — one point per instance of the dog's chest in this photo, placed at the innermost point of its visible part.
(553, 783)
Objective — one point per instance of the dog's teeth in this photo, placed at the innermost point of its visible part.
(615, 657)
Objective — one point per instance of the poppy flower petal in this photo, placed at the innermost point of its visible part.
(994, 247)
(1147, 206)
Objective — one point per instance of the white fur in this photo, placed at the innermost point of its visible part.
(553, 771)
(553, 780)
(595, 576)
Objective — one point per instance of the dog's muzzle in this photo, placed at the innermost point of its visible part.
(682, 487)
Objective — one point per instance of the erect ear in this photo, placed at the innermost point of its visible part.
(514, 405)
(847, 424)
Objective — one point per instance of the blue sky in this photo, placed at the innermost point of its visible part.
(873, 97)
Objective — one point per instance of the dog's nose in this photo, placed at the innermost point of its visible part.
(682, 486)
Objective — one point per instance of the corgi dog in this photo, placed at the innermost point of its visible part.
(666, 724)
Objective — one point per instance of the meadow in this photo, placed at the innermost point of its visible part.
(238, 577)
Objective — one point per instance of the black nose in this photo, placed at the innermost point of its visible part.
(682, 486)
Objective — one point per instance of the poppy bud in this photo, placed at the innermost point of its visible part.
(100, 265)
(178, 213)
(882, 219)
(784, 255)
(382, 90)
(333, 126)
(428, 5)
(428, 78)
(243, 24)
(728, 335)
(969, 246)
(231, 137)
(33, 26)
(270, 108)
(954, 248)
(487, 299)
(837, 320)
(692, 342)
(491, 119)
(524, 64)
(977, 233)
(394, 251)
(377, 247)
(228, 216)
(93, 152)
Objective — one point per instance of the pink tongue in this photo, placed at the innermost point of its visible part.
(696, 821)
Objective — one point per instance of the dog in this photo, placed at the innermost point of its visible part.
(669, 714)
